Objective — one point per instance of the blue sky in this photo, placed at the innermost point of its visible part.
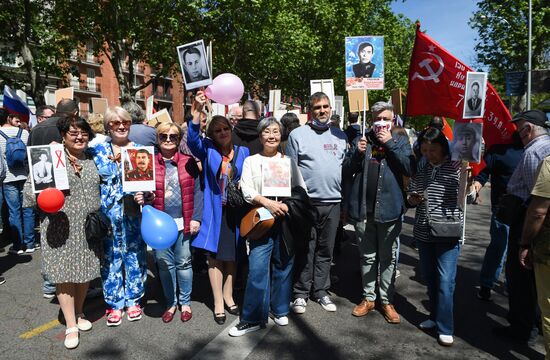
(446, 21)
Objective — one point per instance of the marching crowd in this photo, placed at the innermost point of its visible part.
(209, 177)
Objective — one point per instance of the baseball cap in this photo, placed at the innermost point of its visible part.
(535, 117)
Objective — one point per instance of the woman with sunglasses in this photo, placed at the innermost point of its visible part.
(221, 162)
(124, 270)
(178, 193)
(68, 259)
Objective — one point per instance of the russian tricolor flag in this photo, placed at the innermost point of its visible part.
(15, 105)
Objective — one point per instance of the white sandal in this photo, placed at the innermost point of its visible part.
(71, 343)
(82, 323)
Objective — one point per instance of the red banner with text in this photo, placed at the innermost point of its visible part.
(437, 86)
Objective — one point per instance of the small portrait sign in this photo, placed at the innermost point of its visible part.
(276, 181)
(466, 143)
(474, 98)
(138, 170)
(364, 63)
(48, 167)
(194, 65)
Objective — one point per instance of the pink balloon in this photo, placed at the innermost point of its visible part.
(226, 89)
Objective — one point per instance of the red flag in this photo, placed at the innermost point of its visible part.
(437, 85)
(447, 130)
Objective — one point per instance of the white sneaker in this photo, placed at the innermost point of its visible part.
(427, 324)
(30, 250)
(281, 320)
(299, 306)
(445, 340)
(243, 328)
(48, 295)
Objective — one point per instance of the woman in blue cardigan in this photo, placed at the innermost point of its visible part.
(221, 162)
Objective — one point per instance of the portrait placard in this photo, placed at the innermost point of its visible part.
(65, 93)
(326, 86)
(149, 105)
(194, 65)
(48, 167)
(276, 173)
(356, 99)
(364, 62)
(138, 170)
(161, 116)
(474, 97)
(466, 143)
(99, 105)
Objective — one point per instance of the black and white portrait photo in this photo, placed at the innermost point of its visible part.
(467, 142)
(42, 168)
(194, 65)
(474, 97)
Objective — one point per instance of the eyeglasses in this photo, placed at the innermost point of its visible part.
(75, 134)
(165, 137)
(268, 132)
(117, 123)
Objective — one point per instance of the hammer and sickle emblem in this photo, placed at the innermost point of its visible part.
(434, 75)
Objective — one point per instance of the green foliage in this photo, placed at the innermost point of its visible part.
(29, 32)
(130, 31)
(502, 27)
(285, 44)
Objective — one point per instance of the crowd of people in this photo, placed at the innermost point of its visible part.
(209, 175)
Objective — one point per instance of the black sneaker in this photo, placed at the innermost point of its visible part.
(484, 293)
(2, 280)
(243, 328)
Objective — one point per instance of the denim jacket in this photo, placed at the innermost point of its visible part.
(390, 201)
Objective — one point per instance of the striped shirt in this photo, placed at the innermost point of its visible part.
(439, 184)
(523, 179)
(14, 174)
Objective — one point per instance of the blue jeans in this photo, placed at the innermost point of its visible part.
(13, 194)
(174, 265)
(269, 284)
(495, 254)
(47, 286)
(438, 265)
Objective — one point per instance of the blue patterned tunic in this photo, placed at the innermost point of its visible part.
(125, 249)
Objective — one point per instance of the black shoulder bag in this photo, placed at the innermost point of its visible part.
(235, 198)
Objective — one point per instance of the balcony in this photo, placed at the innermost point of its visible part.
(87, 58)
(87, 88)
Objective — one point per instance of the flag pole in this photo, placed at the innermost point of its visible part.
(364, 111)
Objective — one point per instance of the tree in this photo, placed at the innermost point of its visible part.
(502, 27)
(284, 44)
(31, 38)
(127, 32)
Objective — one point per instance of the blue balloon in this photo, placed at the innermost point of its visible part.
(158, 229)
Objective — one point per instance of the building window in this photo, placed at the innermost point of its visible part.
(91, 80)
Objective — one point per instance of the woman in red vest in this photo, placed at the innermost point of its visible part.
(178, 193)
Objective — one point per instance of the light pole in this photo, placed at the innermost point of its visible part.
(529, 59)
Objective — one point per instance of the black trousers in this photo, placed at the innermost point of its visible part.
(312, 262)
(522, 292)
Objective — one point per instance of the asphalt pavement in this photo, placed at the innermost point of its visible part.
(30, 325)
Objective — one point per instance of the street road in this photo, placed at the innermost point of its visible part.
(30, 328)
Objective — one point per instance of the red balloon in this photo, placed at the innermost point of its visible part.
(50, 200)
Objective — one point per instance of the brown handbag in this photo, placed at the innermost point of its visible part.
(252, 227)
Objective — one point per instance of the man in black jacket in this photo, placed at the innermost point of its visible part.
(245, 133)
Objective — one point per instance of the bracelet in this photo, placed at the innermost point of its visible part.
(524, 246)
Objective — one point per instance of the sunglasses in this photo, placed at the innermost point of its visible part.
(165, 137)
(117, 123)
